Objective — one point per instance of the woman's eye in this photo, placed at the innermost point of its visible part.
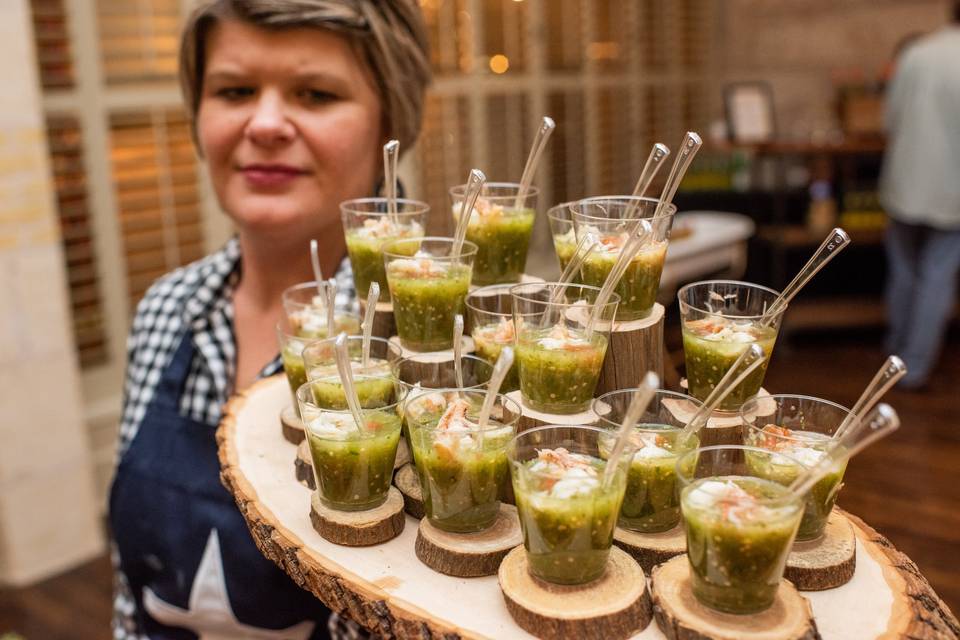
(317, 96)
(235, 93)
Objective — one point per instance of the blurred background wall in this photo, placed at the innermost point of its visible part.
(131, 201)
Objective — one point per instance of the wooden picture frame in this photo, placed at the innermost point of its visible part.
(749, 112)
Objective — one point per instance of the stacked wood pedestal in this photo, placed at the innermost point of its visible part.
(469, 555)
(384, 323)
(634, 348)
(531, 418)
(386, 589)
(291, 425)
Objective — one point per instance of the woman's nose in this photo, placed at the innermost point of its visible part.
(270, 125)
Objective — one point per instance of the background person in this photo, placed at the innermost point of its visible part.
(920, 190)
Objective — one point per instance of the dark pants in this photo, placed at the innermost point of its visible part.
(921, 293)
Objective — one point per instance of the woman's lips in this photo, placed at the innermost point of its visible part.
(265, 176)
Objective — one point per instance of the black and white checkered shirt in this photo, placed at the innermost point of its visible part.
(198, 297)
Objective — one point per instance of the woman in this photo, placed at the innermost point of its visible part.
(291, 102)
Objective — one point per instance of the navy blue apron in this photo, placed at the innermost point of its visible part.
(171, 519)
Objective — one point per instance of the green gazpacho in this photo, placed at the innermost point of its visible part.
(365, 248)
(739, 533)
(462, 473)
(806, 448)
(489, 340)
(640, 282)
(373, 391)
(567, 516)
(427, 294)
(559, 368)
(353, 468)
(651, 502)
(712, 344)
(502, 236)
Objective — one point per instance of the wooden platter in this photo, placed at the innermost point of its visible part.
(387, 589)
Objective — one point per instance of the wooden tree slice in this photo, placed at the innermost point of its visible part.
(359, 528)
(432, 356)
(469, 555)
(616, 605)
(651, 549)
(635, 348)
(681, 617)
(292, 426)
(723, 427)
(387, 590)
(303, 466)
(403, 454)
(531, 418)
(408, 482)
(827, 562)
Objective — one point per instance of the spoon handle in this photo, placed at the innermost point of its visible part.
(315, 263)
(391, 151)
(834, 244)
(458, 349)
(474, 186)
(743, 366)
(688, 149)
(658, 154)
(891, 371)
(373, 295)
(345, 369)
(638, 404)
(547, 125)
(500, 370)
(882, 421)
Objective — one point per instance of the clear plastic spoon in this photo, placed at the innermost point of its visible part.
(892, 370)
(834, 244)
(547, 125)
(882, 421)
(345, 369)
(500, 370)
(373, 295)
(331, 299)
(658, 154)
(584, 248)
(638, 404)
(458, 349)
(315, 263)
(742, 367)
(688, 150)
(474, 186)
(391, 151)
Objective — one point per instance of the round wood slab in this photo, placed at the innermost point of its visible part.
(359, 528)
(388, 590)
(292, 426)
(615, 605)
(469, 555)
(651, 549)
(827, 562)
(303, 466)
(530, 418)
(635, 348)
(408, 483)
(681, 616)
(723, 427)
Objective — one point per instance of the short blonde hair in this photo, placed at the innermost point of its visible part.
(390, 35)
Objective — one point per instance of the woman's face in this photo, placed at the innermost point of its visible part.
(290, 125)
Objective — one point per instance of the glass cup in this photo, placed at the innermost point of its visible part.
(367, 227)
(740, 527)
(490, 318)
(427, 289)
(567, 513)
(353, 468)
(501, 228)
(607, 220)
(374, 382)
(720, 319)
(306, 313)
(802, 427)
(564, 236)
(651, 503)
(291, 356)
(462, 469)
(558, 362)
